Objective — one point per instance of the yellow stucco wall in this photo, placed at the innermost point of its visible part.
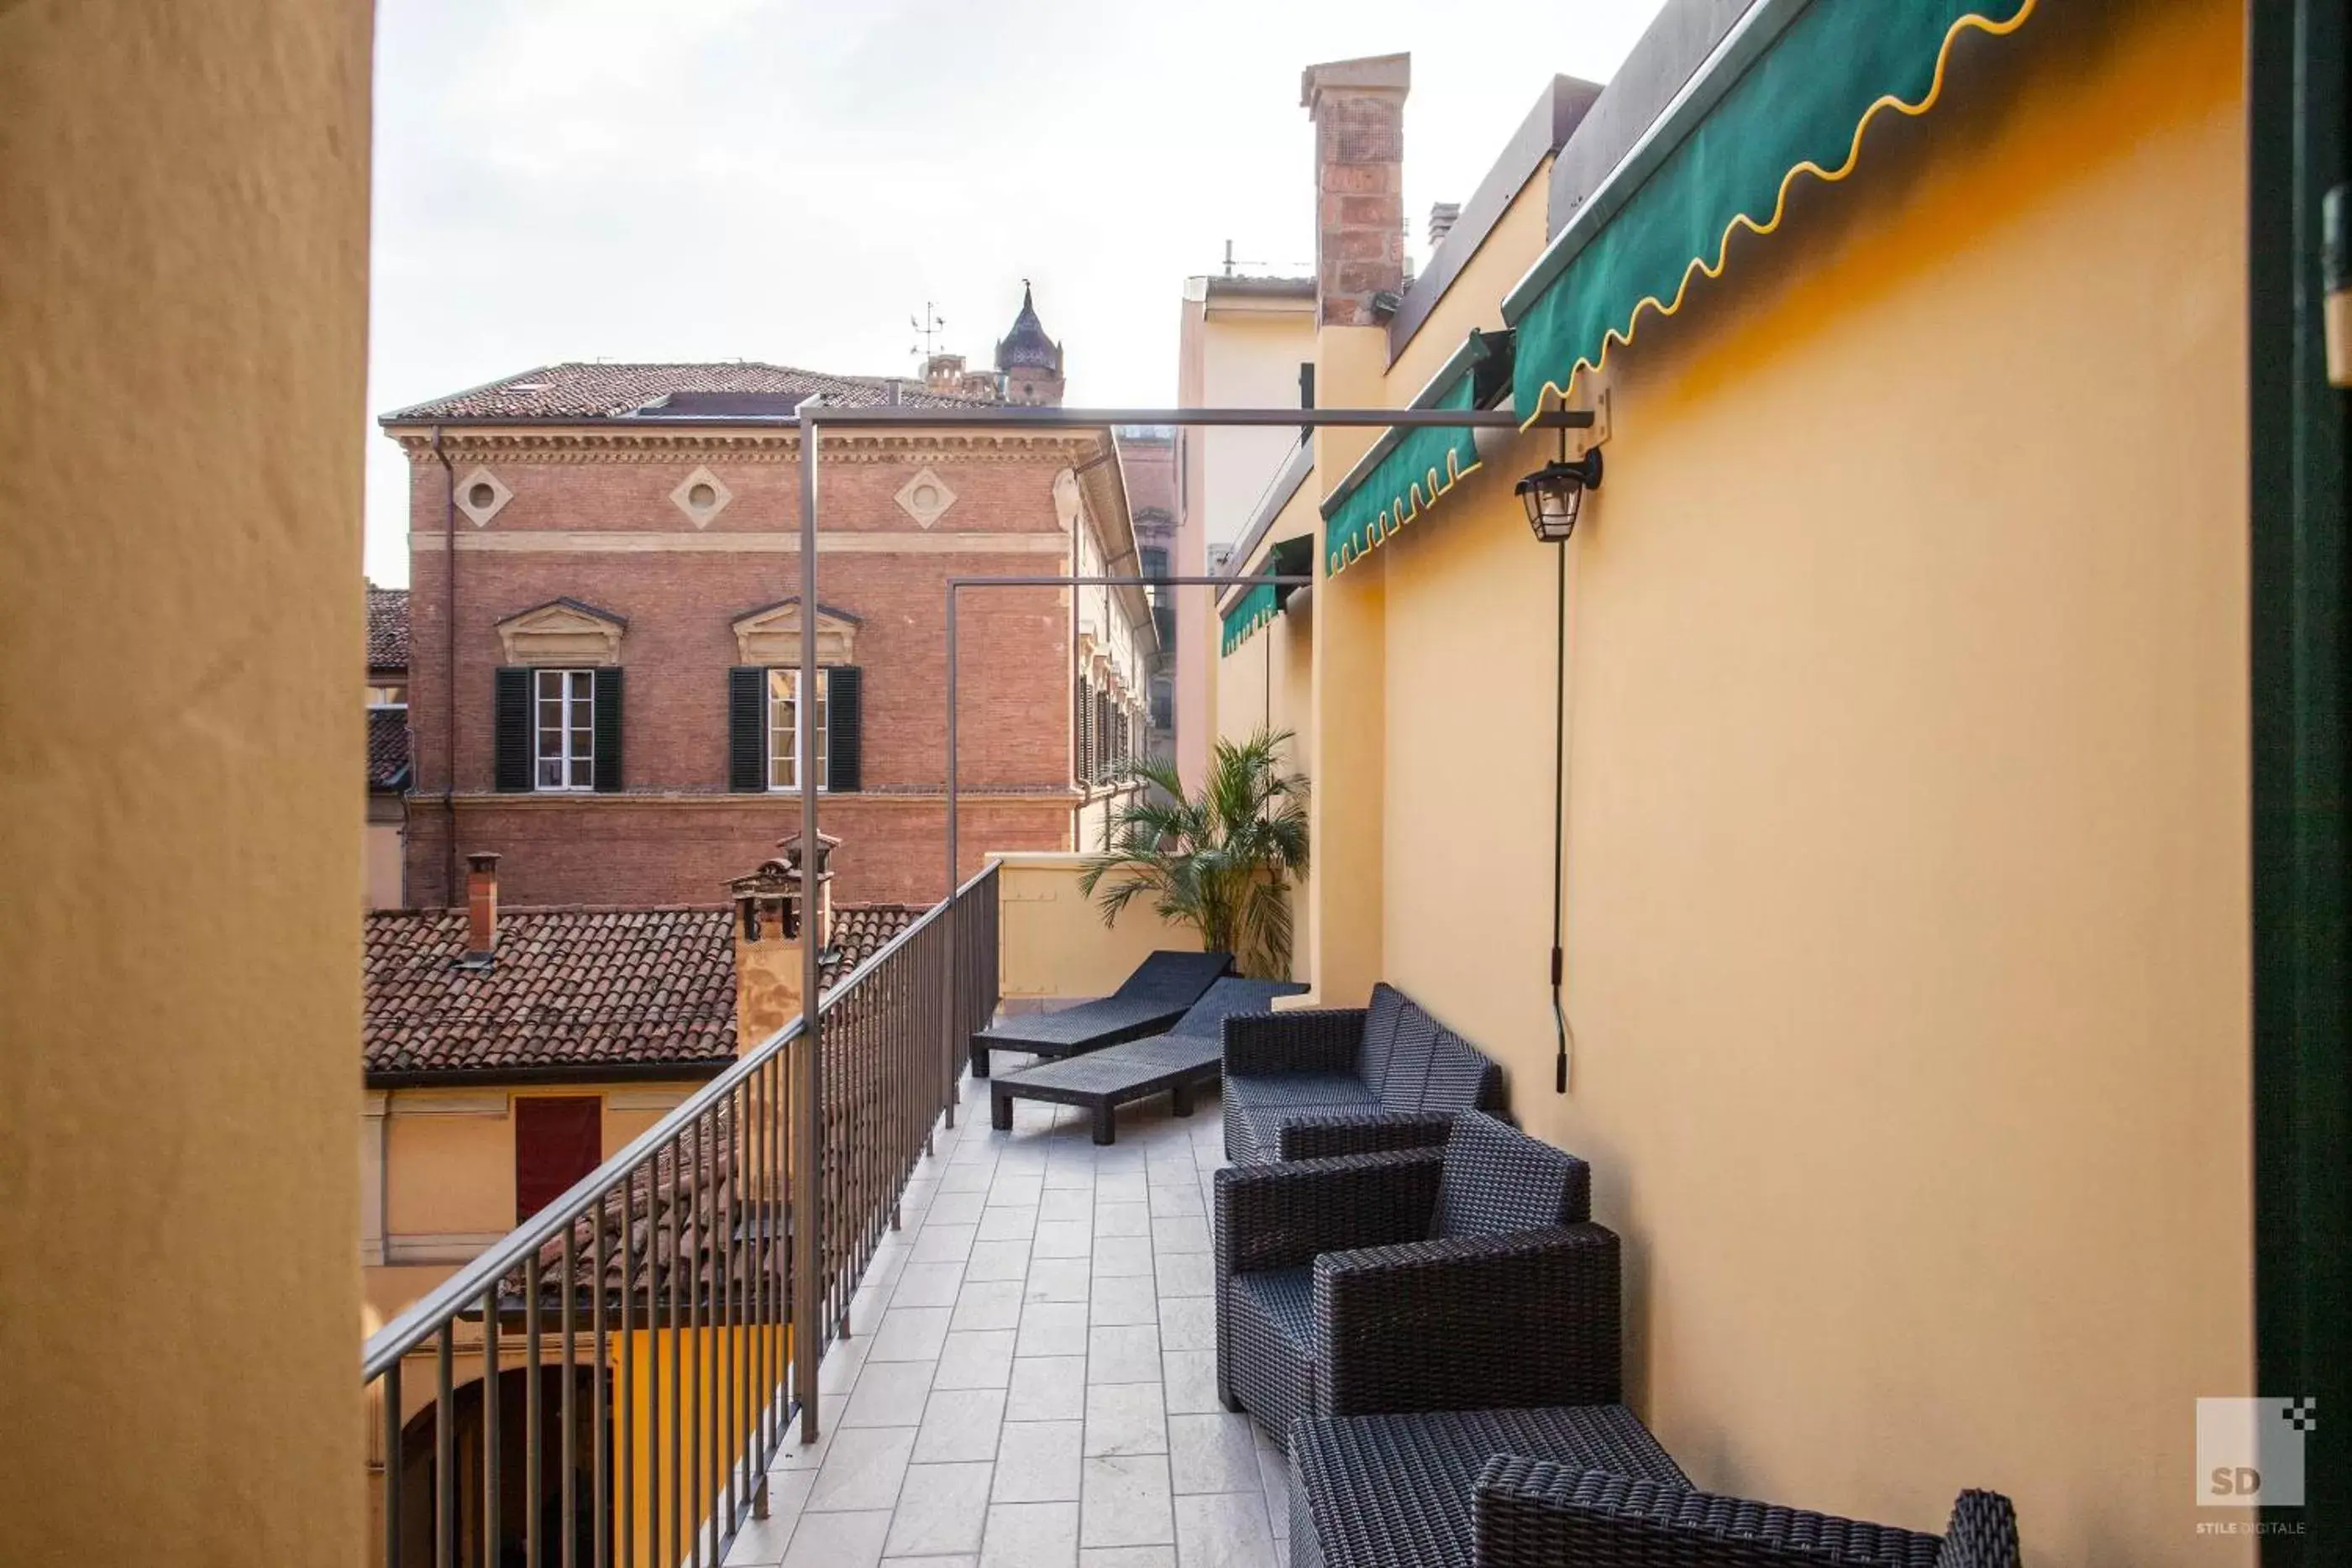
(182, 357)
(1052, 943)
(448, 1171)
(1231, 354)
(1907, 799)
(1268, 682)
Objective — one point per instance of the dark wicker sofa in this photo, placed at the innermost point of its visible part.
(1344, 1081)
(1454, 1278)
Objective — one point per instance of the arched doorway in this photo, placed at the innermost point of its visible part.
(518, 1499)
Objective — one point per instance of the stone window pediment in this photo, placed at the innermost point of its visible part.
(562, 631)
(772, 636)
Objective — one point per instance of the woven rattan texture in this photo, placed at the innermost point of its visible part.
(1398, 1490)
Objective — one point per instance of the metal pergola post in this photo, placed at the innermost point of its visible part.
(807, 1188)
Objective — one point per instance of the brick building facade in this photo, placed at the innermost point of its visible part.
(605, 594)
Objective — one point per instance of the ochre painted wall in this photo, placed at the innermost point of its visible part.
(1052, 943)
(1267, 683)
(1231, 354)
(449, 1161)
(182, 357)
(1907, 801)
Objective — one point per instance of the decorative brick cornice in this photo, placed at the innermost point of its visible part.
(567, 445)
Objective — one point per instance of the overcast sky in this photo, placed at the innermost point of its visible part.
(783, 181)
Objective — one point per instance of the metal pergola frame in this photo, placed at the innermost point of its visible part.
(810, 417)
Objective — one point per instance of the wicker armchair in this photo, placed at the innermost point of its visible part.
(1459, 1278)
(1348, 1080)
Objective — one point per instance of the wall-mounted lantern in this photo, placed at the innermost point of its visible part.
(1554, 495)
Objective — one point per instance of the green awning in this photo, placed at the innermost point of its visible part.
(1814, 75)
(1423, 466)
(1252, 609)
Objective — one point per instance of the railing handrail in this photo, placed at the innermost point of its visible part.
(423, 1318)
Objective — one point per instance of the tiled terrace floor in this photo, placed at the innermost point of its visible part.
(1033, 1381)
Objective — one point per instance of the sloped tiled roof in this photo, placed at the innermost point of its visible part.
(387, 762)
(387, 613)
(600, 391)
(582, 988)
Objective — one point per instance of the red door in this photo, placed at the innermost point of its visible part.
(557, 1142)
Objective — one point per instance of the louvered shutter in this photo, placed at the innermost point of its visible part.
(746, 729)
(844, 729)
(608, 730)
(510, 712)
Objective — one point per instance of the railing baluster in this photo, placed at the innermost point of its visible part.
(534, 1491)
(567, 1534)
(654, 1270)
(677, 1367)
(698, 1315)
(491, 1437)
(600, 1406)
(393, 1453)
(631, 1394)
(445, 1448)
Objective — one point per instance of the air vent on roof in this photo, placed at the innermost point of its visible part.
(521, 387)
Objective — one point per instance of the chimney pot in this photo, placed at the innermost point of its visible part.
(1442, 216)
(481, 905)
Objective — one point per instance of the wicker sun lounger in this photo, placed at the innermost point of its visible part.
(1191, 1053)
(1158, 994)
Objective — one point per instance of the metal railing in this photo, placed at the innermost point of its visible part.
(639, 1329)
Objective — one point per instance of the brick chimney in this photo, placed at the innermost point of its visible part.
(1357, 107)
(944, 372)
(481, 905)
(769, 932)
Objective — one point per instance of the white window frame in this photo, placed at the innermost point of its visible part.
(573, 734)
(783, 738)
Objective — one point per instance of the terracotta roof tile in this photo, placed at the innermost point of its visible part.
(600, 391)
(387, 746)
(570, 989)
(387, 628)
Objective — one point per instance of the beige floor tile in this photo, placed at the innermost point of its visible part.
(1037, 1461)
(941, 1508)
(1212, 1452)
(839, 1539)
(1047, 1388)
(1125, 1418)
(1126, 1501)
(959, 1426)
(1030, 1535)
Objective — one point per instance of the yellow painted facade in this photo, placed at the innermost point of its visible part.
(1907, 799)
(439, 1164)
(183, 194)
(1240, 345)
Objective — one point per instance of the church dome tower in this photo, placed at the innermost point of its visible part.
(1030, 361)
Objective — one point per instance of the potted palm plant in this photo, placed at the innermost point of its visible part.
(1220, 860)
